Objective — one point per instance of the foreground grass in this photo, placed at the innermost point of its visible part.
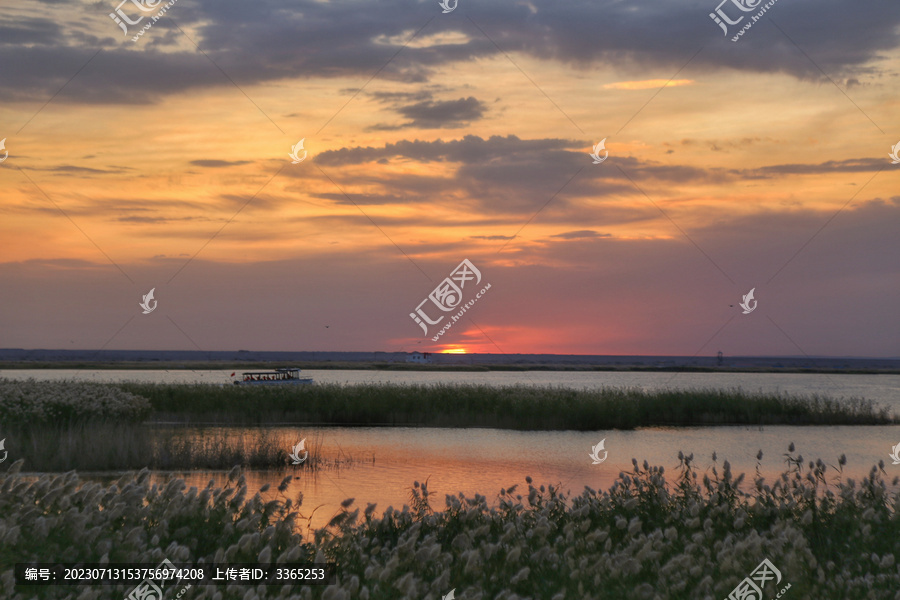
(690, 536)
(508, 407)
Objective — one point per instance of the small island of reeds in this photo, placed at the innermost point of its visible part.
(504, 407)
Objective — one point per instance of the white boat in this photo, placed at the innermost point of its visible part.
(276, 377)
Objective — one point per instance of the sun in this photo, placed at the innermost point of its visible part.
(454, 351)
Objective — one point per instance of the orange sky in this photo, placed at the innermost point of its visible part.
(153, 169)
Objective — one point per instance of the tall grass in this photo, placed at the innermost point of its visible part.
(122, 446)
(25, 403)
(28, 402)
(651, 536)
(510, 407)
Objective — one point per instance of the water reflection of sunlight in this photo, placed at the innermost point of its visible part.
(485, 460)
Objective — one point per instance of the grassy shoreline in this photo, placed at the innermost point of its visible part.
(503, 407)
(520, 407)
(653, 535)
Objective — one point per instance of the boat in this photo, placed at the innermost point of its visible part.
(276, 377)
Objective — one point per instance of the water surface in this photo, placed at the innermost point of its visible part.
(386, 461)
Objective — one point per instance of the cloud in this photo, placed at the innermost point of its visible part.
(366, 199)
(850, 165)
(29, 30)
(214, 163)
(429, 114)
(141, 219)
(156, 220)
(471, 149)
(581, 234)
(72, 169)
(507, 173)
(301, 40)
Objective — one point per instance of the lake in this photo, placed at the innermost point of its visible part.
(387, 460)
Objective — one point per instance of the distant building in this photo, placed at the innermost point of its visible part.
(419, 357)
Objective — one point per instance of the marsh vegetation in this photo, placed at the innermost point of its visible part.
(653, 534)
(504, 407)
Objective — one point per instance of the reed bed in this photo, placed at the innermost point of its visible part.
(28, 402)
(124, 446)
(651, 536)
(508, 407)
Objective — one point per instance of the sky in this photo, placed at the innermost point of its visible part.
(164, 161)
